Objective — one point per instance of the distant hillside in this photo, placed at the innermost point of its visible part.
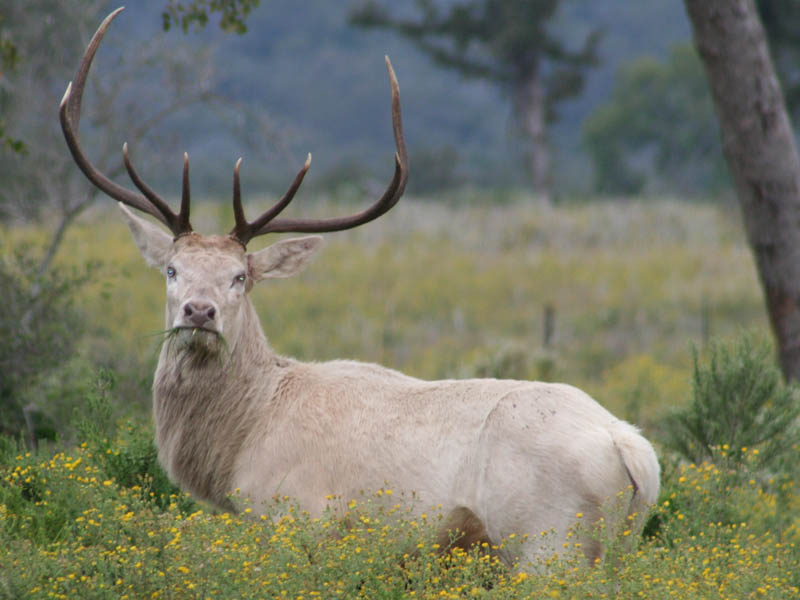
(321, 86)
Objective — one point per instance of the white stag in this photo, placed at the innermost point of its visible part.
(498, 457)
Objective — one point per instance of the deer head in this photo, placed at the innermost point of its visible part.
(208, 276)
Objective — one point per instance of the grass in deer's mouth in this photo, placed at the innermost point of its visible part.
(173, 331)
(191, 338)
(176, 330)
(200, 346)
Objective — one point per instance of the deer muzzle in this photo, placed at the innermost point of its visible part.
(200, 315)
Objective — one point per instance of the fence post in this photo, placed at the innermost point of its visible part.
(548, 326)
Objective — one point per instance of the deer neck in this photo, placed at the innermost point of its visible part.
(203, 403)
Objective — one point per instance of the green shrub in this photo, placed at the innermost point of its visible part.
(39, 327)
(739, 403)
(124, 452)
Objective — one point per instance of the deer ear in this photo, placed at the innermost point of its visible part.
(154, 244)
(284, 258)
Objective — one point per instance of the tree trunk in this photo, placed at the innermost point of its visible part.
(761, 153)
(531, 105)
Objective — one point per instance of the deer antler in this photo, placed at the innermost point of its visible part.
(268, 223)
(243, 231)
(69, 114)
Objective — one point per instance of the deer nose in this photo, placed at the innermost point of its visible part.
(199, 313)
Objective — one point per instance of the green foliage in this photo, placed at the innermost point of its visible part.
(195, 14)
(709, 506)
(38, 326)
(8, 51)
(123, 452)
(740, 404)
(659, 127)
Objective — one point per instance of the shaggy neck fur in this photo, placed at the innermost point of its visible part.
(203, 405)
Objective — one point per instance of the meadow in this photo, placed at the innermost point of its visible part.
(453, 288)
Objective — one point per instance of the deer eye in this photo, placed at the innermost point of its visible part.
(240, 278)
(171, 272)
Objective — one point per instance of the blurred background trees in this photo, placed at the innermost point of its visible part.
(310, 81)
(39, 179)
(508, 43)
(39, 329)
(597, 63)
(657, 132)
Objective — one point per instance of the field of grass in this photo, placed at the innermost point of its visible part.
(437, 291)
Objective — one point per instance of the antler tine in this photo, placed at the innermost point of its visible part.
(244, 231)
(183, 216)
(69, 115)
(179, 223)
(239, 230)
(385, 203)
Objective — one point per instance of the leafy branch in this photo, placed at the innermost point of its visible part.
(195, 14)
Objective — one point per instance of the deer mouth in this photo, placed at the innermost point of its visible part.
(192, 330)
(196, 339)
